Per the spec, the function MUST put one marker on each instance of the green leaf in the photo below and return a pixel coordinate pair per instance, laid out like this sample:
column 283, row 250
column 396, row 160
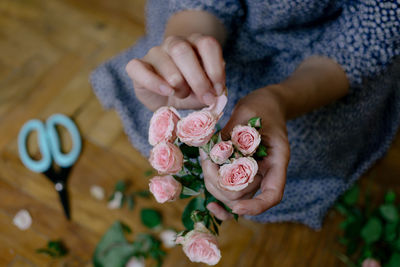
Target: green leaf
column 185, row 179
column 351, row 196
column 142, row 193
column 342, row 209
column 120, row 186
column 255, row 122
column 182, row 196
column 390, row 197
column 193, row 167
column 390, row 231
column 113, row 248
column 55, row 249
column 394, row 260
column 150, row 218
column 372, row 230
column 189, row 151
column 121, row 204
column 209, row 198
column 126, row 228
column 195, row 204
column 389, row 212
column 261, row 151
column 396, row 244
column 131, row 202
column 189, row 192
column 200, row 216
column 367, row 252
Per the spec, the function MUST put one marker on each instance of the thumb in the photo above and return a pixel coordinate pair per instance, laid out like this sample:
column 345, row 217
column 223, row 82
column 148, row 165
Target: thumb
column 238, row 117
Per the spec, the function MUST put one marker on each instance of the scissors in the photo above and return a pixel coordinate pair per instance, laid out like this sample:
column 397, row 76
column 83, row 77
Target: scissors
column 50, row 149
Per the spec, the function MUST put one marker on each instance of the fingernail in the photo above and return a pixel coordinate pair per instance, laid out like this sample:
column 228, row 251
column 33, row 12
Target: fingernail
column 219, row 88
column 209, row 98
column 165, row 90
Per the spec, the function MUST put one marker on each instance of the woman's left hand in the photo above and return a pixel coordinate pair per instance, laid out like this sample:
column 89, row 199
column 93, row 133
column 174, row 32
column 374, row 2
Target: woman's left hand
column 271, row 177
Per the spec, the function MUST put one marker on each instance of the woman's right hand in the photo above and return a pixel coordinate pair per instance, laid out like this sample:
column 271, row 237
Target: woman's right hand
column 187, row 73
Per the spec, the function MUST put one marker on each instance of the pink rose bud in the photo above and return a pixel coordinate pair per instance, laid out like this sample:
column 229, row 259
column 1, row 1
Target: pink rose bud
column 238, row 174
column 165, row 188
column 163, row 125
column 166, row 158
column 221, row 152
column 200, row 245
column 246, row 139
column 371, row 263
column 197, row 128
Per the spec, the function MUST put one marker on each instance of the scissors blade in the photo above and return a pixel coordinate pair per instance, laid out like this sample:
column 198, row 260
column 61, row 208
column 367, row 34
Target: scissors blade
column 63, row 194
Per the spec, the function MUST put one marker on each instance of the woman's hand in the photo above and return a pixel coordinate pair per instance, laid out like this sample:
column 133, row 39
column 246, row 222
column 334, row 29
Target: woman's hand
column 181, row 72
column 271, row 177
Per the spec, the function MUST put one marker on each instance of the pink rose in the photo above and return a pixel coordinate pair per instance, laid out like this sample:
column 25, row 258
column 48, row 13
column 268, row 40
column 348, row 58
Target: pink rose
column 246, row 139
column 197, row 128
column 166, row 158
column 371, row 263
column 221, row 152
column 165, row 188
column 163, row 125
column 238, row 174
column 200, row 245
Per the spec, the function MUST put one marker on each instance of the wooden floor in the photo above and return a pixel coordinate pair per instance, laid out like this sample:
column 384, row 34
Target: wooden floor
column 47, row 51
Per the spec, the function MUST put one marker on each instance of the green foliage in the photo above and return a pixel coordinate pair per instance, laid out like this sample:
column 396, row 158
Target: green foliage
column 394, row 260
column 255, row 122
column 196, row 203
column 54, row 248
column 389, row 212
column 150, row 218
column 261, row 151
column 390, row 197
column 114, row 250
column 372, row 230
column 189, row 151
column 120, row 186
column 127, row 195
column 351, row 196
column 369, row 231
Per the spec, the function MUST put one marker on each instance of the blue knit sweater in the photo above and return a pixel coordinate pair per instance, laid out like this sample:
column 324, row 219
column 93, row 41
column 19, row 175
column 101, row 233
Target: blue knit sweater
column 330, row 147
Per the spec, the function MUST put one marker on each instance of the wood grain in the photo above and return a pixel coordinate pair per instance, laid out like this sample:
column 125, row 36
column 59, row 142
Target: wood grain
column 47, row 51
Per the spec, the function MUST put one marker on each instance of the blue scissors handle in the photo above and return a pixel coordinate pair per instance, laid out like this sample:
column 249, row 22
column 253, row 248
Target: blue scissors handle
column 35, row 165
column 49, row 143
column 63, row 160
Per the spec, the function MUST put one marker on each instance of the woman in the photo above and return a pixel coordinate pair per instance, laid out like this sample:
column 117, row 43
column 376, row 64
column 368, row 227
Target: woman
column 320, row 74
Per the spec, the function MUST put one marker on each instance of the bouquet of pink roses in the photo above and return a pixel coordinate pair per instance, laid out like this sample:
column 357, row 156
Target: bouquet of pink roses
column 175, row 156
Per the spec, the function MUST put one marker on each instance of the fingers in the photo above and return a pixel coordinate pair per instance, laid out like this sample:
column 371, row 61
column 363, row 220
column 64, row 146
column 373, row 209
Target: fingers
column 219, row 211
column 273, row 183
column 186, row 59
column 180, row 67
column 240, row 116
column 166, row 68
column 143, row 74
column 229, row 198
column 210, row 53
